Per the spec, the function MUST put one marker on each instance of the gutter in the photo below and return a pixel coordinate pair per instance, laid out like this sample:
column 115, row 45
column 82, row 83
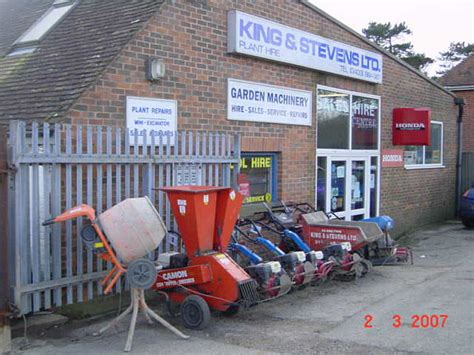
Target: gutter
column 459, row 102
column 373, row 45
column 459, row 87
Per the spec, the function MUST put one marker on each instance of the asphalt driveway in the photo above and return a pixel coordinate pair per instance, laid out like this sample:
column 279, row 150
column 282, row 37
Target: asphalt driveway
column 402, row 304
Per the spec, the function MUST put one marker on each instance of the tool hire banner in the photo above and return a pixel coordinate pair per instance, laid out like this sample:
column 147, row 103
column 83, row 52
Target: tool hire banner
column 258, row 37
column 256, row 179
column 411, row 126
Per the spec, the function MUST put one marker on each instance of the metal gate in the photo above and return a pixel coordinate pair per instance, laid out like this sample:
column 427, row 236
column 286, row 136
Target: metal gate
column 59, row 166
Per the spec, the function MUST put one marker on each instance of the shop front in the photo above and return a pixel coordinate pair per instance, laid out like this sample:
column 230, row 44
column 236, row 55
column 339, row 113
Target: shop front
column 311, row 100
column 348, row 141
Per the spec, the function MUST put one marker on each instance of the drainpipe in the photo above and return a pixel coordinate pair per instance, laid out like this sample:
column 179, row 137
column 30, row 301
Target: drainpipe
column 459, row 102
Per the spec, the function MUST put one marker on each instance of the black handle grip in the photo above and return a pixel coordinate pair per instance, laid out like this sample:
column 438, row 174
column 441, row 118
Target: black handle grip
column 48, row 222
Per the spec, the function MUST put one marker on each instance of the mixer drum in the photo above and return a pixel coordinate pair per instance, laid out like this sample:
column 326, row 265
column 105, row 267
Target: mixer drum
column 133, row 227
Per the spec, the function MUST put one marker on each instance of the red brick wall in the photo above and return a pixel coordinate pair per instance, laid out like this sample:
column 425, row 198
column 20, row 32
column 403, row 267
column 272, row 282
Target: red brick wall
column 191, row 38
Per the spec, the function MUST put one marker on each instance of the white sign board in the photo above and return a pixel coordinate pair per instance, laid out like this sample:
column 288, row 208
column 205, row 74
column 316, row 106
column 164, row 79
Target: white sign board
column 256, row 102
column 156, row 116
column 255, row 36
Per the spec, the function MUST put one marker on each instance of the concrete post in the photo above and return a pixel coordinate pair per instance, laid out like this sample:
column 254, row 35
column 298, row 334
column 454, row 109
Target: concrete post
column 5, row 339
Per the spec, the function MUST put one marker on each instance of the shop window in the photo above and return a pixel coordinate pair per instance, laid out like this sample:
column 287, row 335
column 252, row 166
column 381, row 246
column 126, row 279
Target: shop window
column 333, row 120
column 365, row 113
column 257, row 178
column 426, row 156
column 347, row 121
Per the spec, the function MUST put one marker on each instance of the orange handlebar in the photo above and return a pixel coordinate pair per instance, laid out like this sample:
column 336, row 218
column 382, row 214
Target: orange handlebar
column 78, row 211
column 87, row 211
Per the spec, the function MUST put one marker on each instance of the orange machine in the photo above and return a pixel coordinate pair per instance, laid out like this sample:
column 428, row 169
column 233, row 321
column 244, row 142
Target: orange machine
column 107, row 253
column 205, row 276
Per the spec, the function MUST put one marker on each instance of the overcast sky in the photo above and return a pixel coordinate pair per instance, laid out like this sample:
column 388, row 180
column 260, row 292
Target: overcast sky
column 434, row 23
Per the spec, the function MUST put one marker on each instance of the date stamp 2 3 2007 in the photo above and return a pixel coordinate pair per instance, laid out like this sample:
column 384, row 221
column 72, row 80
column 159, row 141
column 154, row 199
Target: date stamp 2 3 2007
column 423, row 321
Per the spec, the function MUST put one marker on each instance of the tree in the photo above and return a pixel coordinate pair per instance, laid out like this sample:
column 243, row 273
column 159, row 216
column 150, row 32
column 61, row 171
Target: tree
column 456, row 52
column 418, row 61
column 390, row 37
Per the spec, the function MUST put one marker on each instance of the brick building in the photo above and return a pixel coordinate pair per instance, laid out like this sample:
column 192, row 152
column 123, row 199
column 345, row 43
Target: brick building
column 460, row 80
column 311, row 98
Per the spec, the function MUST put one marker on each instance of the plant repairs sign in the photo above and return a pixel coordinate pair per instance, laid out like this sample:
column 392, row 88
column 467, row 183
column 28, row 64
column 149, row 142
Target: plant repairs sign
column 256, row 102
column 157, row 117
column 258, row 37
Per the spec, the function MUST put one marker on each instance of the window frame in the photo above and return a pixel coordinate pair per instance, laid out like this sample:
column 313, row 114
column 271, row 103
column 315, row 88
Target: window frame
column 273, row 171
column 353, row 153
column 329, row 151
column 425, row 165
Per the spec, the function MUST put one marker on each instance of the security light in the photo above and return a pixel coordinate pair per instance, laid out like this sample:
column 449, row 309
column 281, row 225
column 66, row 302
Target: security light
column 155, row 69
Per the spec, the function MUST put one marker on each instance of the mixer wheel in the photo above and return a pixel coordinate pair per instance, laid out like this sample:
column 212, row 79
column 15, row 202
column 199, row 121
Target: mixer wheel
column 195, row 312
column 141, row 273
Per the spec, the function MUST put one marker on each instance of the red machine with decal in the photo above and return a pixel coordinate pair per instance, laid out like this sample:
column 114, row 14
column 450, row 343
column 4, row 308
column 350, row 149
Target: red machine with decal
column 205, row 276
column 319, row 231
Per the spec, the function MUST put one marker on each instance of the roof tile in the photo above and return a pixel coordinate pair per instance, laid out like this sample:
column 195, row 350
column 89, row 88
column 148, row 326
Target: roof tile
column 462, row 74
column 69, row 59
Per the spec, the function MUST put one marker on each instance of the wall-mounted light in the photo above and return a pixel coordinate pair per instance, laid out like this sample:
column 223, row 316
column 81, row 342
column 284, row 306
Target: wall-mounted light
column 155, row 69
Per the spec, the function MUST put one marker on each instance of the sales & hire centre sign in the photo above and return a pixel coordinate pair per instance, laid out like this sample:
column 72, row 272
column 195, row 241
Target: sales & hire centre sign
column 258, row 37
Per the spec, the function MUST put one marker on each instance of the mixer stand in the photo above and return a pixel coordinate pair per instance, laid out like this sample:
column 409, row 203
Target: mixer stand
column 138, row 303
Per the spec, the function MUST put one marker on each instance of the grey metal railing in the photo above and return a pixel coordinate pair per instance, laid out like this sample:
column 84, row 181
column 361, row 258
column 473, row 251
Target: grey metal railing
column 59, row 166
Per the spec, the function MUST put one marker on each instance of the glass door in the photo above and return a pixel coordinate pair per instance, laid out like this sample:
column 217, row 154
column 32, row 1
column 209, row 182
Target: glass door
column 348, row 186
column 359, row 190
column 338, row 187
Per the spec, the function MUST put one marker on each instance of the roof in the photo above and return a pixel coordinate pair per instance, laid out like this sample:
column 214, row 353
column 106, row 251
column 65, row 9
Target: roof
column 16, row 17
column 45, row 83
column 461, row 75
column 375, row 46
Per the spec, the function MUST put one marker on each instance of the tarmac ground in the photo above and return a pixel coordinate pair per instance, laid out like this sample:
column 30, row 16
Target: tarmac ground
column 328, row 319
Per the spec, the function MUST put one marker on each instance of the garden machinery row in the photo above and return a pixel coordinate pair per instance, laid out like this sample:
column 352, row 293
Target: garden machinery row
column 219, row 268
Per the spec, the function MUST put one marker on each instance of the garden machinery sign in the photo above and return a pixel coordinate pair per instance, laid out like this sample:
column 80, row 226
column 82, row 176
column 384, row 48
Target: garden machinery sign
column 258, row 37
column 257, row 102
